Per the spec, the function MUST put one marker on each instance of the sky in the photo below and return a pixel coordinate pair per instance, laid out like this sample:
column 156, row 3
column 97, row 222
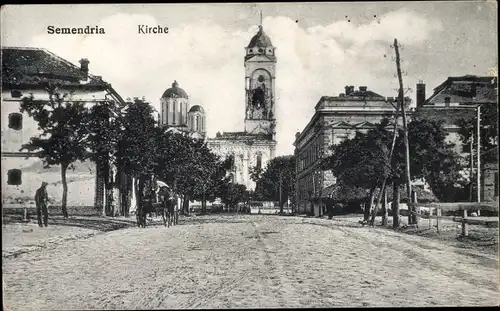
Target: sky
column 320, row 48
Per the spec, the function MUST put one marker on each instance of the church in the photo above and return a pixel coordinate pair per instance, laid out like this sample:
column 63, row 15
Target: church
column 255, row 145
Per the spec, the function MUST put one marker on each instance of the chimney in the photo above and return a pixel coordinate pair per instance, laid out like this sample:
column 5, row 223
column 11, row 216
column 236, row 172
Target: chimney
column 84, row 69
column 420, row 93
column 362, row 88
column 349, row 90
column 297, row 135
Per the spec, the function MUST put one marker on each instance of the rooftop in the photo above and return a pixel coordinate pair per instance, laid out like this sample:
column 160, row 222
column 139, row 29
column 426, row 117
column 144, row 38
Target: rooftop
column 27, row 66
column 465, row 90
column 260, row 39
column 175, row 92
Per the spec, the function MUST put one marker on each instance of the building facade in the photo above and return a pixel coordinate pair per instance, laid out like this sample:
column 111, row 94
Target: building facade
column 256, row 145
column 25, row 72
column 335, row 119
column 460, row 98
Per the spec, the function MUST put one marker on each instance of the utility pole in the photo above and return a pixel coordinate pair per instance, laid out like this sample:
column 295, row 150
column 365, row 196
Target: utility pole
column 471, row 166
column 478, row 156
column 411, row 209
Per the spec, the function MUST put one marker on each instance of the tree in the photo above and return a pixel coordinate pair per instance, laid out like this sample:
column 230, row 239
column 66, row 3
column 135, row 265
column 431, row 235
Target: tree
column 232, row 194
column 190, row 167
column 63, row 132
column 362, row 162
column 277, row 181
column 137, row 145
column 105, row 125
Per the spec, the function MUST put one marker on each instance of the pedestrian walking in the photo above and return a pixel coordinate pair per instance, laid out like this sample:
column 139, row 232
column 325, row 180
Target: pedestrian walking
column 41, row 200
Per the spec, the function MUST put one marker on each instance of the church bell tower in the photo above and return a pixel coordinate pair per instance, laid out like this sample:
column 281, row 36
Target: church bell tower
column 260, row 76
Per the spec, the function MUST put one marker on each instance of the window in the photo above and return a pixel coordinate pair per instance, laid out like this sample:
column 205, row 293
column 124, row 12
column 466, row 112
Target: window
column 14, row 177
column 261, row 50
column 259, row 161
column 16, row 94
column 16, row 121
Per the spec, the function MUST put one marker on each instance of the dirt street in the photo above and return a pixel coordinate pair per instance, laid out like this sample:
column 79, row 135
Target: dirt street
column 249, row 261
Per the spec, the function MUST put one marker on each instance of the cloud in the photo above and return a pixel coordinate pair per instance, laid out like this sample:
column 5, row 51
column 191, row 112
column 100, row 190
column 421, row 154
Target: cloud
column 207, row 61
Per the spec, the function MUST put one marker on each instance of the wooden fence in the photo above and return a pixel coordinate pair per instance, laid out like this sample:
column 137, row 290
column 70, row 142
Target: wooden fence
column 462, row 206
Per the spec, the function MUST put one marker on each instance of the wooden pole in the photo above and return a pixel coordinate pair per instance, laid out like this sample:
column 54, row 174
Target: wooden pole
column 478, row 156
column 471, row 167
column 405, row 138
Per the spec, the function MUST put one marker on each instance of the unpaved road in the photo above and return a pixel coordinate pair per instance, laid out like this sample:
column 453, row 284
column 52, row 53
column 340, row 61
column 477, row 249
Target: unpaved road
column 249, row 262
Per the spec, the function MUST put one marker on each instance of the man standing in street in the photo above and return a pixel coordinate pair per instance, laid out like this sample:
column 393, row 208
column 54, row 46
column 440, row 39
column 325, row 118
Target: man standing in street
column 41, row 200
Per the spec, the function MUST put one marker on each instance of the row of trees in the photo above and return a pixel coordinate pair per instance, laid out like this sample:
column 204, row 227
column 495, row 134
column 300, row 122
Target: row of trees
column 276, row 182
column 125, row 136
column 366, row 161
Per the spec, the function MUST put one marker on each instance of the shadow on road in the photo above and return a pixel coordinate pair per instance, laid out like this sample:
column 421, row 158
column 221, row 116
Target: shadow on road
column 103, row 224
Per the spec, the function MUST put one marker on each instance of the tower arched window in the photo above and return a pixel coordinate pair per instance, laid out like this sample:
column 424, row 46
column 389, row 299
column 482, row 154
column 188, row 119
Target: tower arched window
column 259, row 161
column 196, row 123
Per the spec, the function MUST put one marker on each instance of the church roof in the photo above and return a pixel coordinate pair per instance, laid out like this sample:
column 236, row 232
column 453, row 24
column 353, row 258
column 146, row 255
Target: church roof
column 175, row 92
column 241, row 136
column 196, row 108
column 260, row 39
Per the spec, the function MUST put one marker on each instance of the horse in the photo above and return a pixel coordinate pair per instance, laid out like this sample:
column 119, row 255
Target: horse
column 145, row 206
column 143, row 209
column 168, row 207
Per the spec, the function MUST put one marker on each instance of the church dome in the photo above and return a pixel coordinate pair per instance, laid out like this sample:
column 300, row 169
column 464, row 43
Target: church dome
column 196, row 108
column 175, row 92
column 260, row 39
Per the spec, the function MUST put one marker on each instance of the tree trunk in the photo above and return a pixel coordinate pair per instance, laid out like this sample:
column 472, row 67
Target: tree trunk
column 128, row 195
column 186, row 204
column 395, row 205
column 99, row 189
column 384, row 208
column 369, row 204
column 64, row 168
column 109, row 194
column 138, row 193
column 375, row 209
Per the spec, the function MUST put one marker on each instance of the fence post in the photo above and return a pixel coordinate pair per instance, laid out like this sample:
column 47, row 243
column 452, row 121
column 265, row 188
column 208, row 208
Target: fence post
column 465, row 228
column 430, row 217
column 438, row 213
column 25, row 214
column 416, row 208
